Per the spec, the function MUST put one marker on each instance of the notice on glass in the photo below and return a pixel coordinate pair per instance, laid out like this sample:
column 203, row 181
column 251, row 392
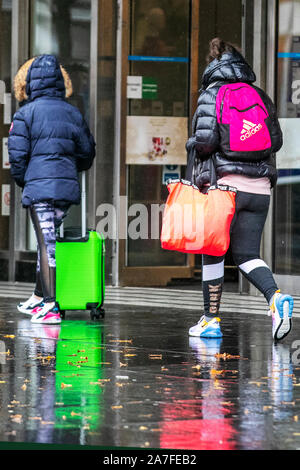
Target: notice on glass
column 289, row 154
column 134, row 87
column 5, row 156
column 156, row 140
column 5, row 202
column 7, row 108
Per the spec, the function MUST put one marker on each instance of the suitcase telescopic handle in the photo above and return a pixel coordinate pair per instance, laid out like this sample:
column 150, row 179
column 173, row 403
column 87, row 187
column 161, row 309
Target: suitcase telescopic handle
column 83, row 208
column 83, row 204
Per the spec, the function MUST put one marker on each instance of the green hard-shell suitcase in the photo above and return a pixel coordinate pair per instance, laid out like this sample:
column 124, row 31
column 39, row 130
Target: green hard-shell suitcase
column 80, row 268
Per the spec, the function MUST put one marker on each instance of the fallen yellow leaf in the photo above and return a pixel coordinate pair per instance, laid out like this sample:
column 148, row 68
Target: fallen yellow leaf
column 7, row 352
column 65, row 385
column 215, row 372
column 16, row 418
column 120, row 340
column 226, row 356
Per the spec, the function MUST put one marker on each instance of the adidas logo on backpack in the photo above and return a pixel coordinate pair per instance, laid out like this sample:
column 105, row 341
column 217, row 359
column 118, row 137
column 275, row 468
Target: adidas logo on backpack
column 249, row 129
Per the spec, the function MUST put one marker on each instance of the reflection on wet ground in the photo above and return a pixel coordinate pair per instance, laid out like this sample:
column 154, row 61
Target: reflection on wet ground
column 136, row 379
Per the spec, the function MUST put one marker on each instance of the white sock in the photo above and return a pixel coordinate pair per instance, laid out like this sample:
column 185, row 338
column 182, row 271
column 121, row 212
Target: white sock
column 50, row 305
column 37, row 298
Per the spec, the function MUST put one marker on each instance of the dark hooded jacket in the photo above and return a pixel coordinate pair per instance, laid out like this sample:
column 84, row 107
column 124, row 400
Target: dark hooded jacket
column 49, row 141
column 204, row 142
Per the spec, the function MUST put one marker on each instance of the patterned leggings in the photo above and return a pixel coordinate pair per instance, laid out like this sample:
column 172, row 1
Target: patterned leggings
column 46, row 219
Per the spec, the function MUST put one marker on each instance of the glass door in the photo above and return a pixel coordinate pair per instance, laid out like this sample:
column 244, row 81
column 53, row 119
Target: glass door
column 225, row 20
column 157, row 122
column 287, row 200
column 63, row 28
column 5, row 121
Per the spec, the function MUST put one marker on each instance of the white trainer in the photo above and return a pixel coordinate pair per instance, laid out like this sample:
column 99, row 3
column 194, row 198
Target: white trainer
column 46, row 315
column 29, row 305
column 204, row 329
column 281, row 310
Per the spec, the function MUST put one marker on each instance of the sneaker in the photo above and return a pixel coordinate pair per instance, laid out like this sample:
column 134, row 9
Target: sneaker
column 281, row 310
column 46, row 315
column 29, row 305
column 205, row 329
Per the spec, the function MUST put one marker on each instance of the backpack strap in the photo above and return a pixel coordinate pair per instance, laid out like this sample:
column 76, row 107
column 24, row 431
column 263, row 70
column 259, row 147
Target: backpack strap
column 214, row 84
column 212, row 170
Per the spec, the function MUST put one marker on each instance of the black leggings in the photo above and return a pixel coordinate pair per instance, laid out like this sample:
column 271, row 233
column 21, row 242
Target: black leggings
column 245, row 238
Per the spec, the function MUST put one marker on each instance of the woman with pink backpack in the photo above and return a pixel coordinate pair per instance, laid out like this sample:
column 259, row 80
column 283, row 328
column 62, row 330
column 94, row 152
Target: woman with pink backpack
column 236, row 125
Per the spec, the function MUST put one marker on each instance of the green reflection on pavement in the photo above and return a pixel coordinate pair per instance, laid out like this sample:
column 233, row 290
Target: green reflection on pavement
column 79, row 375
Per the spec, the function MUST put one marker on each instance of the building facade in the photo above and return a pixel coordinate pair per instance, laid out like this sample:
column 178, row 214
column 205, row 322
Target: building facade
column 136, row 69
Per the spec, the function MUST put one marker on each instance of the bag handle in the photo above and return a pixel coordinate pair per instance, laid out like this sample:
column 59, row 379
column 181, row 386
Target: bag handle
column 193, row 159
column 212, row 169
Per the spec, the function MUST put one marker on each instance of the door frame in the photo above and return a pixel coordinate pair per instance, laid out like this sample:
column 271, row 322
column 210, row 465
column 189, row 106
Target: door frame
column 20, row 50
column 17, row 219
column 287, row 282
column 145, row 275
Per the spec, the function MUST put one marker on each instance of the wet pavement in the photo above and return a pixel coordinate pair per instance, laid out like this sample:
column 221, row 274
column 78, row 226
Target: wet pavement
column 135, row 379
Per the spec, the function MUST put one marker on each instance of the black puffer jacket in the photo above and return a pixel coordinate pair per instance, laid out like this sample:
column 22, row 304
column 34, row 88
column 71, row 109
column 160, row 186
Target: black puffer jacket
column 231, row 68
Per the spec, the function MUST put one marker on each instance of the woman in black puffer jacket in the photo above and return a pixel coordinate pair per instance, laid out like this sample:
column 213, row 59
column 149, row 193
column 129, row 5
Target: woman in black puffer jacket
column 253, row 179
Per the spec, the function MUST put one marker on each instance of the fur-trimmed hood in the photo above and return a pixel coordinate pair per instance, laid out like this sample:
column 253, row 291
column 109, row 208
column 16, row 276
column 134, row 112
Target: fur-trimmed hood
column 42, row 76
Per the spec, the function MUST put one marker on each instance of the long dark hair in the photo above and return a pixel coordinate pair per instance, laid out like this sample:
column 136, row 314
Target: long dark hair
column 217, row 47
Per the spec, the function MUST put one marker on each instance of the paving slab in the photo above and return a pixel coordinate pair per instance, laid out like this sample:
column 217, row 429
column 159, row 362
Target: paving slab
column 135, row 379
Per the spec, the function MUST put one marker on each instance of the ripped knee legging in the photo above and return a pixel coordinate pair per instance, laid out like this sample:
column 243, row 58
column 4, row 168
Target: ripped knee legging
column 245, row 237
column 46, row 218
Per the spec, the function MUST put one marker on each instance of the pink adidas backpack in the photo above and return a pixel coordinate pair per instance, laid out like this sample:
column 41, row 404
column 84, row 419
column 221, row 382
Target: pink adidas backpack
column 243, row 121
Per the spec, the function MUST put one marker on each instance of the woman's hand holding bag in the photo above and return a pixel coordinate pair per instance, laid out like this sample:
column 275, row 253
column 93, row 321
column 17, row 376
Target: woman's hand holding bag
column 194, row 222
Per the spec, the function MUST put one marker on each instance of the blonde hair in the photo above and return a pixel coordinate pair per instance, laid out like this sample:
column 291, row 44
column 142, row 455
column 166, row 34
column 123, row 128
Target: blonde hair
column 20, row 81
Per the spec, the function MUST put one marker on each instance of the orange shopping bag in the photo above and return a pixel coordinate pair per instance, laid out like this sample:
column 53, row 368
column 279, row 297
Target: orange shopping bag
column 194, row 222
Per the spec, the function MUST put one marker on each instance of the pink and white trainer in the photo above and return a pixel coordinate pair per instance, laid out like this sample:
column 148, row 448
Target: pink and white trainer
column 46, row 315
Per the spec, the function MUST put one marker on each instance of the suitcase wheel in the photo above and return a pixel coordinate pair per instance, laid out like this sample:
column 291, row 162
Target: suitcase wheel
column 97, row 313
